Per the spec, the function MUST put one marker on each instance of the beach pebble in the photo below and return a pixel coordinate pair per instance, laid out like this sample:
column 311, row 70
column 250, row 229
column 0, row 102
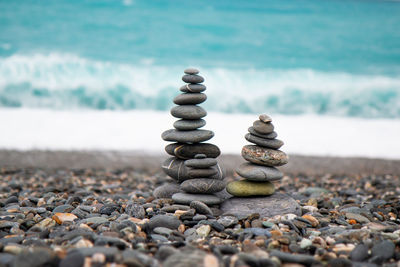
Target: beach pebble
column 265, row 118
column 200, row 207
column 194, row 136
column 276, row 204
column 202, row 186
column 202, row 173
column 384, row 249
column 265, row 136
column 191, row 71
column 203, row 230
column 191, row 258
column 262, row 127
column 135, row 210
column 192, row 78
column 63, row 208
column 190, row 98
column 258, row 173
column 359, row 253
column 269, row 143
column 228, row 221
column 167, row 221
column 245, row 188
column 166, row 190
column 187, row 125
column 184, row 198
column 201, row 163
column 193, row 88
column 188, row 112
column 264, row 156
column 188, row 151
column 64, row 217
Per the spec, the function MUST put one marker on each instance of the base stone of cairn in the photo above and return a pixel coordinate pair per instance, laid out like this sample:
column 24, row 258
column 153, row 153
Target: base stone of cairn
column 193, row 166
column 255, row 193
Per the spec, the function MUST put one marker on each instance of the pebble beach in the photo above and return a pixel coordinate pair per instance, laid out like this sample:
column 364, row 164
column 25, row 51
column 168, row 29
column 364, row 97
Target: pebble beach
column 107, row 216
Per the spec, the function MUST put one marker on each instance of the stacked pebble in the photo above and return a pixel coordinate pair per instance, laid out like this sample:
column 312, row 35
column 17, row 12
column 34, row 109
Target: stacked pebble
column 193, row 163
column 259, row 172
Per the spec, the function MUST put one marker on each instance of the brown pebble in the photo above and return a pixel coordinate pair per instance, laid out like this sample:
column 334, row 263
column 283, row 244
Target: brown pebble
column 265, row 118
column 314, row 222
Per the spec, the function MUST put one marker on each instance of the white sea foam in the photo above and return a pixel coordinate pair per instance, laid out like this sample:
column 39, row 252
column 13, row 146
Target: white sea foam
column 140, row 130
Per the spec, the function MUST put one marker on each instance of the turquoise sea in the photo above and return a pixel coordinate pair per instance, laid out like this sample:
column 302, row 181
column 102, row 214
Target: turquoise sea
column 339, row 58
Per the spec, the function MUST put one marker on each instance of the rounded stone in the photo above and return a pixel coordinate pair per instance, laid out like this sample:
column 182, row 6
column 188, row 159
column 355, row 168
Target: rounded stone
column 188, row 112
column 192, row 78
column 166, row 190
column 202, row 173
column 166, row 221
column 258, row 173
column 262, row 127
column 194, row 136
column 264, row 156
column 176, row 169
column 266, row 136
column 193, row 88
column 276, row 204
column 188, row 125
column 270, row 143
column 201, row 163
column 202, row 186
column 189, row 151
column 190, row 99
column 265, row 118
column 200, row 207
column 185, row 198
column 246, row 188
column 191, row 71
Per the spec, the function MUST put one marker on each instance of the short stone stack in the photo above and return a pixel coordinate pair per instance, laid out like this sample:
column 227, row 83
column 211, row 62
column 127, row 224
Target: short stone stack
column 194, row 163
column 259, row 173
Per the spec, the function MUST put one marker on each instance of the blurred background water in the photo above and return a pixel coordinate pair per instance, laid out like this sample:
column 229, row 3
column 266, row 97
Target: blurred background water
column 338, row 58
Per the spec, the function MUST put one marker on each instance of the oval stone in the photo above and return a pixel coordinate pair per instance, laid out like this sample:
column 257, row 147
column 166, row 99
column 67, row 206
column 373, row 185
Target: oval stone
column 267, row 136
column 185, row 198
column 192, row 78
column 166, row 190
column 258, row 173
column 189, row 151
column 265, row 118
column 191, row 71
column 264, row 156
column 190, row 98
column 270, row 143
column 202, row 186
column 187, row 125
column 262, row 127
column 189, row 112
column 195, row 136
column 193, row 88
column 201, row 163
column 248, row 188
column 202, row 173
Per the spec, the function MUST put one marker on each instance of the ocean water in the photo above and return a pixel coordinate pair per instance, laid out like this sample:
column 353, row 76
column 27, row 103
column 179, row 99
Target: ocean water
column 329, row 70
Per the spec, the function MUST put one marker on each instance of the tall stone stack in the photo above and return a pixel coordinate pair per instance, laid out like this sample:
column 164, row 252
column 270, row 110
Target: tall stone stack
column 193, row 163
column 262, row 159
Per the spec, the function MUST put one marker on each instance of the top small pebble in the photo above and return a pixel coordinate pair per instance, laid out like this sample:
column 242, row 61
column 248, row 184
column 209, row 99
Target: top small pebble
column 191, row 71
column 265, row 118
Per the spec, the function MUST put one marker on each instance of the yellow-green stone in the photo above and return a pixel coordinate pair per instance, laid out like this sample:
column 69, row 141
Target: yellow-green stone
column 246, row 188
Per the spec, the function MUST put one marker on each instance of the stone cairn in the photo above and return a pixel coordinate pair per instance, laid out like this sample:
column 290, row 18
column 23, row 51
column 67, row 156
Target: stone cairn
column 193, row 165
column 259, row 172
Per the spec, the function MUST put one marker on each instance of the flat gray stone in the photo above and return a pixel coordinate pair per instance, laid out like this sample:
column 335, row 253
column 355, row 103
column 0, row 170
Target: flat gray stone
column 194, row 136
column 276, row 204
column 191, row 71
column 193, row 88
column 190, row 99
column 258, row 173
column 192, row 78
column 270, row 143
column 168, row 221
column 188, row 125
column 262, row 127
column 200, row 207
column 264, row 156
column 267, row 136
column 201, row 163
column 202, row 186
column 189, row 151
column 188, row 112
column 166, row 190
column 202, row 173
column 185, row 198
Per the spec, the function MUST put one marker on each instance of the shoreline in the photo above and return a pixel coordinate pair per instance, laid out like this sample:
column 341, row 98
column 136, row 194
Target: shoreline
column 151, row 162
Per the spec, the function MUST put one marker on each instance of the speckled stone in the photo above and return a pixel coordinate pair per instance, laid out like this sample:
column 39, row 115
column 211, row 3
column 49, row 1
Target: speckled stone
column 188, row 112
column 269, row 143
column 190, row 99
column 276, row 204
column 194, row 136
column 193, row 88
column 189, row 151
column 258, row 173
column 192, row 78
column 188, row 125
column 202, row 186
column 185, row 198
column 246, row 188
column 264, row 156
column 266, row 136
column 262, row 127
